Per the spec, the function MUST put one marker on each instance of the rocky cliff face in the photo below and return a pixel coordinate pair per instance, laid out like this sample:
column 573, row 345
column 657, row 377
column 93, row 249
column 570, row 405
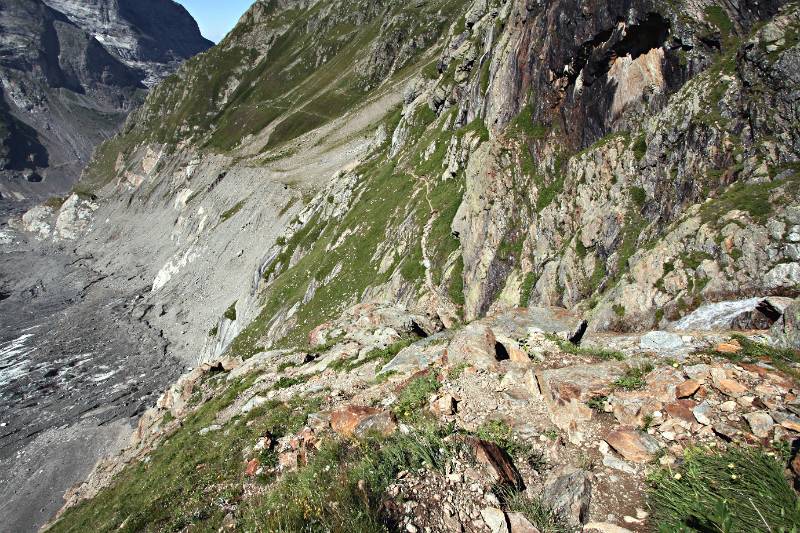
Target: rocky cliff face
column 630, row 163
column 71, row 72
column 154, row 36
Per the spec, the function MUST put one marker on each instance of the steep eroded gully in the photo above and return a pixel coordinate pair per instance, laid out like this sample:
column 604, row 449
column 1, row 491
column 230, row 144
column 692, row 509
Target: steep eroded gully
column 77, row 367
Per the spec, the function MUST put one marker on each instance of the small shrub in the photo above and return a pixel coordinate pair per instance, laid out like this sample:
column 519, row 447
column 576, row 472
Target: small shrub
column 597, row 403
column 415, row 396
column 286, row 364
column 619, row 310
column 640, row 147
column 500, row 433
column 536, row 512
column 230, row 312
column 551, row 434
column 455, row 372
column 634, row 378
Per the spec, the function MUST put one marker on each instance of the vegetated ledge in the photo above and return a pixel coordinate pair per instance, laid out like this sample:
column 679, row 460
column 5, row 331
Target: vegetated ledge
column 294, row 439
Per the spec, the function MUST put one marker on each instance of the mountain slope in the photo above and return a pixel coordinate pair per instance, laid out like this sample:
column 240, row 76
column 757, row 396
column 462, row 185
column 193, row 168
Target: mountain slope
column 565, row 176
column 336, row 180
column 64, row 91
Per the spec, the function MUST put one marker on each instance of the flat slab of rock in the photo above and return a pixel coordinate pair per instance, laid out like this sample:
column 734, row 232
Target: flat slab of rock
column 633, row 445
column 760, row 423
column 417, row 357
column 566, row 391
column 556, row 321
column 357, row 420
column 687, row 388
column 496, row 462
column 661, row 342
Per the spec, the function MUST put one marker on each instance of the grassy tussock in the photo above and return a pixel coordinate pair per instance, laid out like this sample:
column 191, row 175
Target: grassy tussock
column 738, row 490
column 341, row 489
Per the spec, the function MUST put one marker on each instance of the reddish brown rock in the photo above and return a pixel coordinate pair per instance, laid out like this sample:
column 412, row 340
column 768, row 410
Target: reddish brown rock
column 252, row 467
column 687, row 388
column 681, row 409
column 633, row 445
column 566, row 391
column 289, row 460
column 730, row 387
column 496, row 462
column 356, row 420
column 728, row 347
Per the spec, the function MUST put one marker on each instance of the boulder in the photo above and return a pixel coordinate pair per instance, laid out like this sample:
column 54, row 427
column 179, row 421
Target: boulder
column 786, row 330
column 357, row 421
column 568, row 492
column 495, row 520
column 566, row 391
column 519, row 524
column 633, row 445
column 474, row 345
column 417, row 357
column 556, row 321
column 496, row 462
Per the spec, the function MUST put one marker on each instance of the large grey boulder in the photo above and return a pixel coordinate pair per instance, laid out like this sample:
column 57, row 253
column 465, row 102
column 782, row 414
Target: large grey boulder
column 787, row 328
column 568, row 492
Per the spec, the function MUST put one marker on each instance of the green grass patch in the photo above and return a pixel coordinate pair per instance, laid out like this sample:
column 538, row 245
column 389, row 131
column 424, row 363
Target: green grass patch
column 342, row 488
column 189, row 479
column 230, row 213
column 736, row 490
column 230, row 312
column 633, row 379
column 414, row 397
column 640, row 147
column 587, row 351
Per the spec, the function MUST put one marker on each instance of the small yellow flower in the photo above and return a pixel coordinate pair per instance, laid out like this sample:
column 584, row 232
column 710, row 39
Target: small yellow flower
column 675, row 365
column 731, row 465
column 734, row 476
column 677, row 476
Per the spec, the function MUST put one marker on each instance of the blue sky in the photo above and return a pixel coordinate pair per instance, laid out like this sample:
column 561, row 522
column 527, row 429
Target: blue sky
column 216, row 17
